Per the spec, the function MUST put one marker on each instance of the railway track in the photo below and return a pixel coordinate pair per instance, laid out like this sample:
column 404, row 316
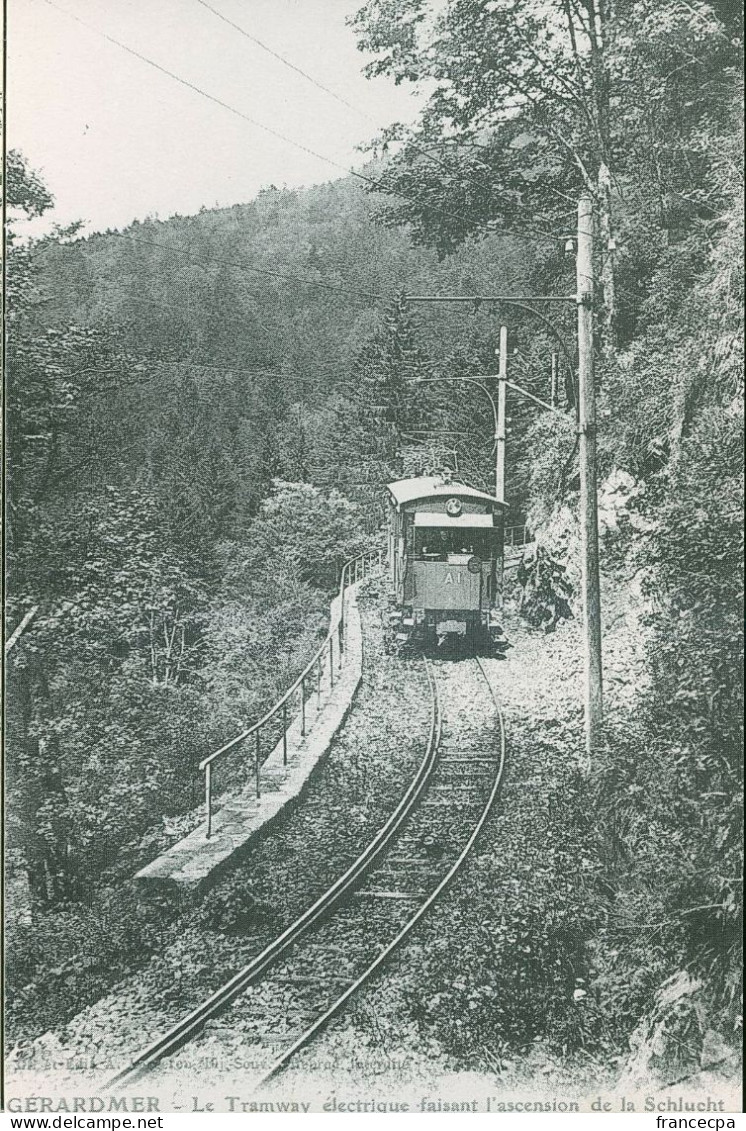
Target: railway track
column 310, row 972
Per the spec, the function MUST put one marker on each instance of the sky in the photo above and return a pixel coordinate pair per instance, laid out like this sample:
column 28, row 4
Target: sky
column 113, row 139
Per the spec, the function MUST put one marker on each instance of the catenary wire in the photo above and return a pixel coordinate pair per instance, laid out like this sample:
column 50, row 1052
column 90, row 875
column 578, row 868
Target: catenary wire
column 284, row 60
column 246, row 117
column 448, row 168
column 354, row 292
column 333, row 94
column 258, row 270
column 283, row 137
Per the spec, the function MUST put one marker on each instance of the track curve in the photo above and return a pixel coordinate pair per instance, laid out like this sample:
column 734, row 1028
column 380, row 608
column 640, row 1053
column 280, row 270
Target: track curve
column 282, row 1061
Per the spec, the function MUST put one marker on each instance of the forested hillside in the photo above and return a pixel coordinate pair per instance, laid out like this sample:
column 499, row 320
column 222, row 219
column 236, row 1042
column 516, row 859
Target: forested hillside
column 202, row 410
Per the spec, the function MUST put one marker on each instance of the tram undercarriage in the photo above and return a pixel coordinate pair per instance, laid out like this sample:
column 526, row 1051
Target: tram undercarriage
column 469, row 630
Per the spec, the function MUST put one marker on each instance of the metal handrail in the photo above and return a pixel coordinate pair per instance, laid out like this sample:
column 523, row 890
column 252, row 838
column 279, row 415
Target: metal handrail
column 513, row 533
column 315, row 666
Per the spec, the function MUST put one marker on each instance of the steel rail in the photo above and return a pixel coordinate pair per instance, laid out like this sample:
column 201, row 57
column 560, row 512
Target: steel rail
column 181, row 1033
column 281, row 1062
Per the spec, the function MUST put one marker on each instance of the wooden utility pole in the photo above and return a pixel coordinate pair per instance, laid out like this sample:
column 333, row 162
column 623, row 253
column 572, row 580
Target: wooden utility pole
column 591, row 594
column 502, row 390
column 553, row 386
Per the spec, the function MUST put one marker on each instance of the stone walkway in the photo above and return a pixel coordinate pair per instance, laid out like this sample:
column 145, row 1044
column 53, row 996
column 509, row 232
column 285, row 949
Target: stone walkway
column 241, row 816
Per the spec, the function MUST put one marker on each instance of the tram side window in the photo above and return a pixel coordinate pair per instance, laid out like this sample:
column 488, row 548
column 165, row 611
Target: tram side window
column 434, row 545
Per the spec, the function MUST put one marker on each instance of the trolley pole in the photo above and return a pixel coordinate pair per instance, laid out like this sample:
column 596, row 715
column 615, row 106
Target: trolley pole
column 502, row 389
column 590, row 584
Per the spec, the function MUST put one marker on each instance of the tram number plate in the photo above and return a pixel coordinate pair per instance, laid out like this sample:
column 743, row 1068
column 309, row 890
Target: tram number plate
column 458, row 626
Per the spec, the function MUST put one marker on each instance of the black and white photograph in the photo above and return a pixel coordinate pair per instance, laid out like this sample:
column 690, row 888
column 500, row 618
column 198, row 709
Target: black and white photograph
column 373, row 560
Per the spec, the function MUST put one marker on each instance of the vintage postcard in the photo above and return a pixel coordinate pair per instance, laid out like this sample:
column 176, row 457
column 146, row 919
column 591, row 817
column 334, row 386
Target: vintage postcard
column 373, row 559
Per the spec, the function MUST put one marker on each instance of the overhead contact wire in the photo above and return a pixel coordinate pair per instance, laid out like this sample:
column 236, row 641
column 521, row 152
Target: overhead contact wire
column 261, row 125
column 483, row 186
column 284, row 60
column 243, row 266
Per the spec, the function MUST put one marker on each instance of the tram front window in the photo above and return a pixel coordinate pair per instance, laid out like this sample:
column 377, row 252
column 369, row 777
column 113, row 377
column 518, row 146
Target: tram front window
column 434, row 545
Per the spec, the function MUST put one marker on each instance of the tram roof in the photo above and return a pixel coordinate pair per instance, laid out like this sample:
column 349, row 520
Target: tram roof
column 426, row 486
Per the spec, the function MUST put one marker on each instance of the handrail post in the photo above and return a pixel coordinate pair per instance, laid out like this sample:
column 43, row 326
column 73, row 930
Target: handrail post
column 310, row 681
column 208, row 798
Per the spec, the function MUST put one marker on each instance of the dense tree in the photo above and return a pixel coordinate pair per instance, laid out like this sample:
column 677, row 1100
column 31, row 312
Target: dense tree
column 302, row 532
column 529, row 104
column 24, row 189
